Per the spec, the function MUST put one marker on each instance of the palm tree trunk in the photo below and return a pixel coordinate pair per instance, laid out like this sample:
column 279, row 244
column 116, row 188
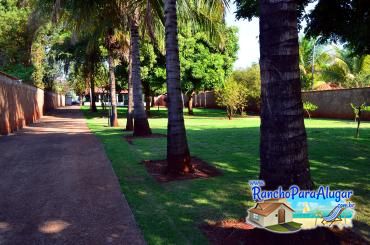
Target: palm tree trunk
column 130, row 109
column 178, row 155
column 141, row 124
column 112, row 78
column 283, row 147
column 92, row 93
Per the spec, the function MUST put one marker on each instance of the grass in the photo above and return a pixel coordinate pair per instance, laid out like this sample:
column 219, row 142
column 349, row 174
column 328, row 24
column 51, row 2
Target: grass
column 287, row 227
column 170, row 213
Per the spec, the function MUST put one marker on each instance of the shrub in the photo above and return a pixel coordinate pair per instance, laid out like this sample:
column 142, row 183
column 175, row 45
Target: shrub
column 309, row 107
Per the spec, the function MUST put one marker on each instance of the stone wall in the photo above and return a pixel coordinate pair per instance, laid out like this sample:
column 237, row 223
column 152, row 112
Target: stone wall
column 22, row 104
column 337, row 103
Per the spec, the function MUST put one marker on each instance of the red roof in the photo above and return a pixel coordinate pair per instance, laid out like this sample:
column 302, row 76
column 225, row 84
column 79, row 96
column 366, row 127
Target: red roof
column 265, row 209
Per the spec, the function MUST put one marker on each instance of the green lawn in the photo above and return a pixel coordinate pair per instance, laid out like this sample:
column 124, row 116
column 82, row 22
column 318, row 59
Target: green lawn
column 170, row 213
column 287, row 227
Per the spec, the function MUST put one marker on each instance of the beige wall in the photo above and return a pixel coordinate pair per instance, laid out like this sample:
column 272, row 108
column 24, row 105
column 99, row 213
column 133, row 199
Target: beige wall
column 331, row 103
column 22, row 104
column 337, row 103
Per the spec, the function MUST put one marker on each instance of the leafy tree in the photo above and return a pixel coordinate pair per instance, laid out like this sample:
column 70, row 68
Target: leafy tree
column 250, row 80
column 22, row 43
column 232, row 95
column 342, row 20
column 152, row 72
column 204, row 65
column 77, row 83
column 247, row 9
column 15, row 43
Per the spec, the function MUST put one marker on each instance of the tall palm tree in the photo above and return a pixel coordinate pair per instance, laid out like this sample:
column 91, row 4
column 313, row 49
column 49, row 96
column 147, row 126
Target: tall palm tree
column 141, row 124
column 111, row 45
column 203, row 16
column 130, row 109
column 178, row 154
column 283, row 147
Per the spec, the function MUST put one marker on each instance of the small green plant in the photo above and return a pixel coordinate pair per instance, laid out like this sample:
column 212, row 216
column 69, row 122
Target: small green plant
column 309, row 107
column 357, row 110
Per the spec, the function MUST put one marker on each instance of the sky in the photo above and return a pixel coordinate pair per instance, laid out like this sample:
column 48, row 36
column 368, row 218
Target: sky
column 248, row 37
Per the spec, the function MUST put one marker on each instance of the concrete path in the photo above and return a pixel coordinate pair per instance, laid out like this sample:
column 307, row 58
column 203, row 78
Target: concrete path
column 57, row 186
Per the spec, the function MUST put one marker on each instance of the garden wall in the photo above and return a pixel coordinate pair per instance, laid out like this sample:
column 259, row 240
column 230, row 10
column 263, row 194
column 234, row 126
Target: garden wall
column 331, row 103
column 22, row 104
column 337, row 103
column 205, row 99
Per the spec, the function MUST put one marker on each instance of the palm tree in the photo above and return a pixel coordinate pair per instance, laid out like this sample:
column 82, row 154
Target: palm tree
column 346, row 69
column 111, row 45
column 130, row 109
column 283, row 147
column 141, row 124
column 178, row 155
column 203, row 16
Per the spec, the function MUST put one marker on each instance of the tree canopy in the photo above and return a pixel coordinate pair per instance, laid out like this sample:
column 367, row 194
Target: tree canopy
column 344, row 21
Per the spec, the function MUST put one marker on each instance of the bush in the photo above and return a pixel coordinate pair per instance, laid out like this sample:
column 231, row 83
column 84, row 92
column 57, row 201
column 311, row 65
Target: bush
column 309, row 107
column 250, row 80
column 233, row 96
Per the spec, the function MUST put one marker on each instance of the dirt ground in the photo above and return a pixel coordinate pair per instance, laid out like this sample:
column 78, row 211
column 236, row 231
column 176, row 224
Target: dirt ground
column 201, row 170
column 58, row 187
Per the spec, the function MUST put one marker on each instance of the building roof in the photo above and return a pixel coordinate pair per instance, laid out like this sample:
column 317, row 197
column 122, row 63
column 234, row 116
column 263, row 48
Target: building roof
column 328, row 86
column 266, row 208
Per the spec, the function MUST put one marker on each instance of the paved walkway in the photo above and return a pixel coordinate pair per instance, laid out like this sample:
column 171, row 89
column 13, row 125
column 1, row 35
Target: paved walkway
column 58, row 187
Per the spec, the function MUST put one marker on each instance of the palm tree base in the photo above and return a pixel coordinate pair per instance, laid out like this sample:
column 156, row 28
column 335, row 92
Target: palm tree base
column 130, row 124
column 141, row 127
column 179, row 164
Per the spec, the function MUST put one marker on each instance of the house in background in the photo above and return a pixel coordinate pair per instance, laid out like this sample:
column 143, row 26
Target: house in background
column 102, row 95
column 271, row 212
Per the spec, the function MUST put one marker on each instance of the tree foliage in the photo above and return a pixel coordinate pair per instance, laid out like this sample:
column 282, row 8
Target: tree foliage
column 240, row 90
column 205, row 66
column 309, row 107
column 247, row 9
column 344, row 21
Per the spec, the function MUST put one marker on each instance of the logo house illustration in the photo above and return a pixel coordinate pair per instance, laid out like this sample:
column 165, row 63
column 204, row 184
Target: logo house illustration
column 270, row 212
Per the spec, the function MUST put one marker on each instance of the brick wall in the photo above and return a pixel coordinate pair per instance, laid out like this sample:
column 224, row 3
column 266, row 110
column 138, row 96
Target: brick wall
column 22, row 104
